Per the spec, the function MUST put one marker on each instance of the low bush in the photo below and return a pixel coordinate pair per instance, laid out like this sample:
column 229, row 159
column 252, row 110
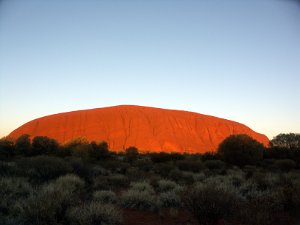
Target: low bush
column 8, row 169
column 141, row 200
column 217, row 165
column 118, row 181
column 94, row 213
column 261, row 207
column 166, row 185
column 170, row 199
column 105, row 197
column 43, row 168
column 12, row 189
column 142, row 187
column 285, row 164
column 209, row 203
column 181, row 177
column 190, row 165
column 141, row 196
column 49, row 204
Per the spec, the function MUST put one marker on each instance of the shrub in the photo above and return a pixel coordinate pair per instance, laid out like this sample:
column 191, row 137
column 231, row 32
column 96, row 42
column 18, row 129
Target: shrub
column 105, row 197
column 164, row 169
column 99, row 150
column 48, row 205
column 190, row 165
column 101, row 183
column 142, row 187
column 142, row 200
column 118, row 181
column 209, row 203
column 12, row 189
column 80, row 168
column 43, row 168
column 131, row 154
column 7, row 148
column 215, row 164
column 141, row 196
column 181, row 177
column 260, row 208
column 94, row 213
column 23, row 145
column 241, row 150
column 166, row 185
column 285, row 164
column 170, row 199
column 8, row 168
column 43, row 145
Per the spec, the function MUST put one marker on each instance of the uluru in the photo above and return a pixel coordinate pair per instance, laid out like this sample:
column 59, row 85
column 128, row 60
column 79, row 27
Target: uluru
column 147, row 128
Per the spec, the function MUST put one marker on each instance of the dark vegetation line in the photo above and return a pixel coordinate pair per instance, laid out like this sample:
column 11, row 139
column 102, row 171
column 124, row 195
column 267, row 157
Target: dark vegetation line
column 84, row 183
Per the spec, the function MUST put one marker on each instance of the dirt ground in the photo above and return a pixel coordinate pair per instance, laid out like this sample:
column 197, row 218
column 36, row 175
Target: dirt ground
column 135, row 217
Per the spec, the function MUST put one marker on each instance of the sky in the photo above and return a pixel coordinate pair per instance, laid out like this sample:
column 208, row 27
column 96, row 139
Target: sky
column 233, row 59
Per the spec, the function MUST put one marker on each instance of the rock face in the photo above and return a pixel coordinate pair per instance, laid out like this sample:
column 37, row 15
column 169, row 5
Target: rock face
column 147, row 128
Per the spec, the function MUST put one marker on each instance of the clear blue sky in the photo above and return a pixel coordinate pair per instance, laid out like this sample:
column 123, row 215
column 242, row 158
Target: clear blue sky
column 234, row 59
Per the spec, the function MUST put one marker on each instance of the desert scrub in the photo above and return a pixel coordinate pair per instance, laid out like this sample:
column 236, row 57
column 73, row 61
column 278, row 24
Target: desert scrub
column 261, row 207
column 209, row 203
column 49, row 204
column 170, row 199
column 43, row 168
column 118, row 181
column 142, row 186
column 7, row 169
column 94, row 213
column 12, row 189
column 105, row 197
column 166, row 185
column 140, row 196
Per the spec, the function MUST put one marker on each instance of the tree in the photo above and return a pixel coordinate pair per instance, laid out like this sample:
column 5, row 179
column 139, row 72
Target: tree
column 42, row 145
column 6, row 147
column 241, row 150
column 23, row 145
column 131, row 154
column 288, row 141
column 99, row 151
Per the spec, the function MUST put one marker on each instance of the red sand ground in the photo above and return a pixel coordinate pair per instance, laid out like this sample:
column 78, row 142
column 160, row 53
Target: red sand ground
column 147, row 128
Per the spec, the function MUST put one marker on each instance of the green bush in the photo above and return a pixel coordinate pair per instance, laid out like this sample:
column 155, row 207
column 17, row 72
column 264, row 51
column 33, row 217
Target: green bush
column 142, row 200
column 23, row 145
column 118, row 181
column 94, row 213
column 49, row 204
column 8, row 169
column 241, row 150
column 105, row 197
column 190, row 165
column 12, row 189
column 43, row 168
column 142, row 187
column 141, row 196
column 285, row 164
column 170, row 199
column 215, row 165
column 166, row 185
column 42, row 145
column 7, row 148
column 210, row 203
column 260, row 208
column 181, row 177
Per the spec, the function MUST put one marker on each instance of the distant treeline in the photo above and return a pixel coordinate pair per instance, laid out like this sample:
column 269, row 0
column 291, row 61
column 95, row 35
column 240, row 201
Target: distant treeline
column 238, row 150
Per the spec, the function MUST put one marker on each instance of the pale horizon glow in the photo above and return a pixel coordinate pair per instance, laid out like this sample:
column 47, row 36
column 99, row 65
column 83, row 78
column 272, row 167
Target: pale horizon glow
column 237, row 60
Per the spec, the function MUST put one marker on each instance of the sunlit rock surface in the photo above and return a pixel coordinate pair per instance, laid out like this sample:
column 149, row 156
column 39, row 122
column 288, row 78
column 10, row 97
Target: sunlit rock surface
column 147, row 128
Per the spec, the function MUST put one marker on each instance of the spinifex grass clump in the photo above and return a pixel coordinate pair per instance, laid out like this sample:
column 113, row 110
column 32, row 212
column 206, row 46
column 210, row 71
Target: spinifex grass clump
column 141, row 196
